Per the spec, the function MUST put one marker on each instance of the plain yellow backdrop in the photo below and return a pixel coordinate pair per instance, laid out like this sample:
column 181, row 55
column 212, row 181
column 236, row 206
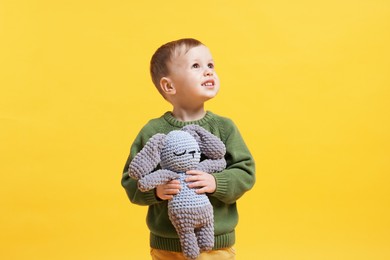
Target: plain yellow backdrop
column 307, row 83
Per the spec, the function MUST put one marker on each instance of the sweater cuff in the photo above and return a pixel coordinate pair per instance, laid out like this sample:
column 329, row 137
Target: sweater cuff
column 222, row 185
column 150, row 197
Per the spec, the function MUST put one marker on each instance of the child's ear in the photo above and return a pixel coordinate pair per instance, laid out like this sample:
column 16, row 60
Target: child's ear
column 167, row 86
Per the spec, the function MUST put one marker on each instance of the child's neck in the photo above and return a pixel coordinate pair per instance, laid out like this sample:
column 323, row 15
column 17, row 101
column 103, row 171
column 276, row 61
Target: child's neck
column 187, row 115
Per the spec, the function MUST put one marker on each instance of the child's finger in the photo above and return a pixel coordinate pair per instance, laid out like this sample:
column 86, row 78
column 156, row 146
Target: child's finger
column 201, row 190
column 171, row 191
column 195, row 172
column 172, row 187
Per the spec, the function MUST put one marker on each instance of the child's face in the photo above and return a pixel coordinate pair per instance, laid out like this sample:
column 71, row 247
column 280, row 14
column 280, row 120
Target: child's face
column 193, row 76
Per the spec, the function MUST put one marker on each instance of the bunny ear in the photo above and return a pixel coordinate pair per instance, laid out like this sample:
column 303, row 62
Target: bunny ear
column 210, row 145
column 148, row 158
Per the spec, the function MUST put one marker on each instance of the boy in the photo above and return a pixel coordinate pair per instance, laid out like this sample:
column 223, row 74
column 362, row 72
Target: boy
column 183, row 72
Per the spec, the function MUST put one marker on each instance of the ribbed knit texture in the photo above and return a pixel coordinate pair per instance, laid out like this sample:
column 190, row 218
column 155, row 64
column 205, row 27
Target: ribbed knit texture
column 232, row 183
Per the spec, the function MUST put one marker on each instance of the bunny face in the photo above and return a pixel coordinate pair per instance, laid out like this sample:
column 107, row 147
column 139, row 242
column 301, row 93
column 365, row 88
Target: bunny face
column 180, row 153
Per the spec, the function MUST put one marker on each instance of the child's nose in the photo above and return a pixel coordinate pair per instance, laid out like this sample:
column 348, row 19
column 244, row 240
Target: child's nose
column 208, row 72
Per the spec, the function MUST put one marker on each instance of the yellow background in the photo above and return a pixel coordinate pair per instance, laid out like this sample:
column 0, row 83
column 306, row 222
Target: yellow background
column 307, row 82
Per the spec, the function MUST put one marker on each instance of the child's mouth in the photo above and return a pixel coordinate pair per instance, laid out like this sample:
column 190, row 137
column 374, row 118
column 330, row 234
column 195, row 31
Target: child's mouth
column 208, row 84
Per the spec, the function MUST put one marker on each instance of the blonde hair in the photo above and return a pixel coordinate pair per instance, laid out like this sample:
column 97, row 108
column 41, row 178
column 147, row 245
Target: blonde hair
column 159, row 61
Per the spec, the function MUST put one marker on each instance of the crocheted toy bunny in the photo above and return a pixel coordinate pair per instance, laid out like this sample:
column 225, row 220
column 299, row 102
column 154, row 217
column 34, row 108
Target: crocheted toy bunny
column 177, row 152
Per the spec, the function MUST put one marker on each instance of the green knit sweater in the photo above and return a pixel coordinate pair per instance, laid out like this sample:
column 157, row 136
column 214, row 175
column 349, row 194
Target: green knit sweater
column 232, row 183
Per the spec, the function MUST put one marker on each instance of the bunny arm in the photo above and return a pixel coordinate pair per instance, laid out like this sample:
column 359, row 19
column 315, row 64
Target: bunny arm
column 155, row 178
column 211, row 166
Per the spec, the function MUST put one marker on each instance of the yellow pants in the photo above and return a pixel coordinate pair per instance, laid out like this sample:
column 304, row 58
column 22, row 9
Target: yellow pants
column 221, row 254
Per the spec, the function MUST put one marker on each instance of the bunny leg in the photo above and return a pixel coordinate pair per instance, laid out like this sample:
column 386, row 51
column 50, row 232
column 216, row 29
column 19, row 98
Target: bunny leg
column 189, row 243
column 205, row 236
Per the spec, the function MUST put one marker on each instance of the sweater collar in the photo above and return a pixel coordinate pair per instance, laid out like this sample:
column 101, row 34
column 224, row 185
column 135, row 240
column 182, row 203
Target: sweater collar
column 174, row 122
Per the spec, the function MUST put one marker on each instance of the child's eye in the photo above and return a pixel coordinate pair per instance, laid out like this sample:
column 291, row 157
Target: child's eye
column 210, row 65
column 195, row 66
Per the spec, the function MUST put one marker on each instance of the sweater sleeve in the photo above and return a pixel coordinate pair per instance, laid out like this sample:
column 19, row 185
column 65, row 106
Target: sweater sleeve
column 131, row 185
column 239, row 175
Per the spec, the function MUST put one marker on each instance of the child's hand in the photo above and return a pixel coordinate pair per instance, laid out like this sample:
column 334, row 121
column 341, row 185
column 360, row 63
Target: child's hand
column 202, row 181
column 168, row 190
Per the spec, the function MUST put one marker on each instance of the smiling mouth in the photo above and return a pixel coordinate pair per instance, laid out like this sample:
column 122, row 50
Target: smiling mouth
column 208, row 84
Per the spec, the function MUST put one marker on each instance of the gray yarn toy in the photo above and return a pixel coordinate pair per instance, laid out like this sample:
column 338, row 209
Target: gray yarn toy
column 177, row 152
